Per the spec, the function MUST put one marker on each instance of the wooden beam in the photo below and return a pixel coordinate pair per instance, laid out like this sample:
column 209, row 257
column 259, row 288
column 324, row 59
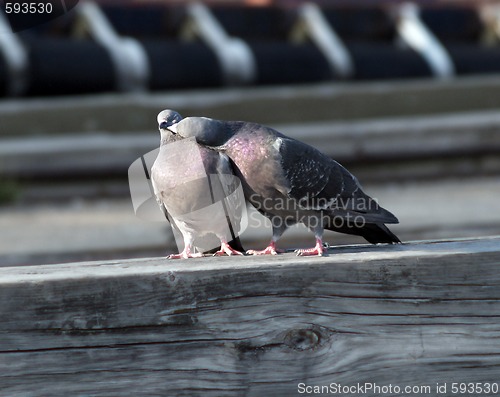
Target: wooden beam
column 418, row 314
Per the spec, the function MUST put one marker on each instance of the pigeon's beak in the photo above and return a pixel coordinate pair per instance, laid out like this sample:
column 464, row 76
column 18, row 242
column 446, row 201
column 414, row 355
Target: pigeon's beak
column 173, row 128
column 163, row 125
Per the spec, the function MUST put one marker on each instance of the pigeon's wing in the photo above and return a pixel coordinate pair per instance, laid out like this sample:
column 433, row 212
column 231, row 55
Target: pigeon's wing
column 314, row 180
column 235, row 199
column 226, row 190
column 163, row 209
column 154, row 182
column 158, row 199
column 318, row 182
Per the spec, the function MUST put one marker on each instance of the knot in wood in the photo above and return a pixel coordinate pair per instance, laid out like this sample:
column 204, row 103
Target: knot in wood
column 302, row 339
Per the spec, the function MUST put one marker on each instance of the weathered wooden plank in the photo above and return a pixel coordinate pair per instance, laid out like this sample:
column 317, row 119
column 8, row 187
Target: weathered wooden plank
column 411, row 315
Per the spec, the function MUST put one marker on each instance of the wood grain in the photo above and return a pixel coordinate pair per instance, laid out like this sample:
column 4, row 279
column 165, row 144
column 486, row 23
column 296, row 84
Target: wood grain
column 415, row 314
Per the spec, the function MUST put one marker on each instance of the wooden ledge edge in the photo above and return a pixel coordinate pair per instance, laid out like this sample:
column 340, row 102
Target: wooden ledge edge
column 341, row 255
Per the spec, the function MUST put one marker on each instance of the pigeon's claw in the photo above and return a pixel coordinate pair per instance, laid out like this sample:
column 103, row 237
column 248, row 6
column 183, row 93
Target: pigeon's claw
column 186, row 254
column 318, row 249
column 225, row 249
column 269, row 250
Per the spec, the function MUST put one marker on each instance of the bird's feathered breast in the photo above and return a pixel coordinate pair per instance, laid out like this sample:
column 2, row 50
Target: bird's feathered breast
column 179, row 173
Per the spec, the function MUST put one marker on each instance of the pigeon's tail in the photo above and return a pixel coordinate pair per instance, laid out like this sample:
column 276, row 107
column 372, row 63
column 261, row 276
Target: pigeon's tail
column 236, row 245
column 376, row 233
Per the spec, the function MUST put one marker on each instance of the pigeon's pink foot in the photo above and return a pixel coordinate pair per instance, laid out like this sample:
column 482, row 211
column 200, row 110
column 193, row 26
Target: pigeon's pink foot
column 270, row 250
column 317, row 250
column 186, row 254
column 226, row 249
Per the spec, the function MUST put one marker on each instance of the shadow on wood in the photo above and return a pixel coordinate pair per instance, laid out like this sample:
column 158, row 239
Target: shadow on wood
column 410, row 315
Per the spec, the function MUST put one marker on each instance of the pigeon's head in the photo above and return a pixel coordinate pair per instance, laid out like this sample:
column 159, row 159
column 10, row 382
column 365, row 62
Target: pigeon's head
column 207, row 131
column 167, row 118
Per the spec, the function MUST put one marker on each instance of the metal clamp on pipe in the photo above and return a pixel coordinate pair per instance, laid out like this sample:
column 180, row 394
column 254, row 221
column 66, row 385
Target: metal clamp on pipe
column 413, row 32
column 16, row 59
column 128, row 55
column 236, row 58
column 313, row 25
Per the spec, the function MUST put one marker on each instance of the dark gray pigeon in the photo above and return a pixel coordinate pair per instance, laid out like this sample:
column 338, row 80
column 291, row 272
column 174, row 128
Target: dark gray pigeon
column 192, row 185
column 289, row 182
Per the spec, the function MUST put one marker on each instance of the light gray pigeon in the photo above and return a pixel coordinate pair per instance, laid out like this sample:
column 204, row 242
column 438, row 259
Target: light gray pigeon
column 192, row 185
column 289, row 182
